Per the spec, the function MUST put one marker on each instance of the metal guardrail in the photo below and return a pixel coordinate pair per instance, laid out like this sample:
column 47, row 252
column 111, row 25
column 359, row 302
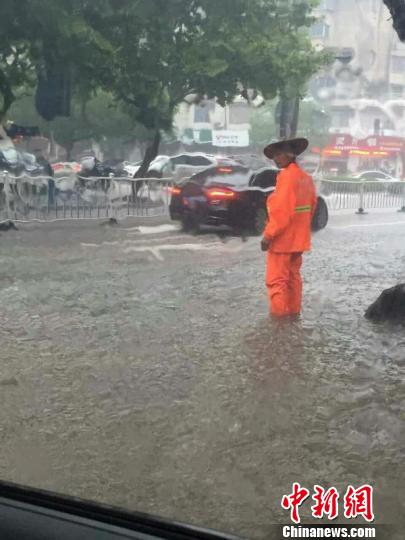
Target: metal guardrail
column 43, row 198
column 363, row 195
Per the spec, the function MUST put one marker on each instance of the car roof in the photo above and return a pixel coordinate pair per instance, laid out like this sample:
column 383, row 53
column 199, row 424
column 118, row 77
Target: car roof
column 270, row 169
column 194, row 154
column 371, row 171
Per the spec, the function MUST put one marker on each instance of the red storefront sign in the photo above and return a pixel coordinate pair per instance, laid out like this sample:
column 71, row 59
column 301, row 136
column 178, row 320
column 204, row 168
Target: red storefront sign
column 373, row 146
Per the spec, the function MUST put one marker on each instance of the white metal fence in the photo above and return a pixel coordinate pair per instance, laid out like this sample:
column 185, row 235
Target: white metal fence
column 363, row 195
column 43, row 198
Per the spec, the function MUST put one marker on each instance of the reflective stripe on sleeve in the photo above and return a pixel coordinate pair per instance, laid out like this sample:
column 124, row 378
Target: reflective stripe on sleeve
column 303, row 209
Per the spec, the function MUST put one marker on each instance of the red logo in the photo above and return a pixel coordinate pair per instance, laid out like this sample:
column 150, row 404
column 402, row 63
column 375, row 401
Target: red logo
column 294, row 501
column 357, row 502
column 326, row 503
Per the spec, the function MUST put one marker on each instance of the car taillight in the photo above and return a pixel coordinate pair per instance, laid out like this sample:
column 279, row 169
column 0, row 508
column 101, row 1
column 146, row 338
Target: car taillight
column 175, row 191
column 225, row 170
column 220, row 194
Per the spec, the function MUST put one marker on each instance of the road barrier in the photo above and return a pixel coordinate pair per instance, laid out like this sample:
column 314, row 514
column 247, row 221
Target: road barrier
column 43, row 198
column 363, row 195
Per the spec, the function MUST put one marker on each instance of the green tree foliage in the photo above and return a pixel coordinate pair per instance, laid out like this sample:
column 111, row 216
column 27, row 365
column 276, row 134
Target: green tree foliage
column 152, row 54
column 99, row 118
column 46, row 35
column 214, row 48
column 168, row 50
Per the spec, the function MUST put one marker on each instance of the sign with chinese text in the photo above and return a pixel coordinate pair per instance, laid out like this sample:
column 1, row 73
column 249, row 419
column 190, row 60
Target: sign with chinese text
column 230, row 138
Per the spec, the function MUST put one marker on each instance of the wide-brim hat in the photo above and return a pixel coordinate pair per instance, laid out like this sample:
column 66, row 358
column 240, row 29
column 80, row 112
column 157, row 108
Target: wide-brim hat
column 297, row 146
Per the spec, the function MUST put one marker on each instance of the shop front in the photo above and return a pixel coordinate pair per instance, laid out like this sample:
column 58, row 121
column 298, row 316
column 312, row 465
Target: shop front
column 347, row 156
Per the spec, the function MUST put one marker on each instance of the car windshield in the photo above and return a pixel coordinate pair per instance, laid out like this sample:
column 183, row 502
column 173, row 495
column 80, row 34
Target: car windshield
column 202, row 261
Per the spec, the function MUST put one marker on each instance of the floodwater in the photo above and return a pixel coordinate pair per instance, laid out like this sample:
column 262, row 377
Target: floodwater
column 139, row 368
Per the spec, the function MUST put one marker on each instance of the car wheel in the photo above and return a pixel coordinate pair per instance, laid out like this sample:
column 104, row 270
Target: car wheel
column 321, row 216
column 259, row 221
column 185, row 224
column 190, row 224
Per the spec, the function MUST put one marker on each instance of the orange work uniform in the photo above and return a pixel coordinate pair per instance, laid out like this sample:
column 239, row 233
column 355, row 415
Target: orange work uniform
column 290, row 209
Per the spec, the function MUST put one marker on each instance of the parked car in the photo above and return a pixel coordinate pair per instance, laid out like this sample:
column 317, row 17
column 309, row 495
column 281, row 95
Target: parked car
column 179, row 166
column 230, row 195
column 252, row 161
column 376, row 176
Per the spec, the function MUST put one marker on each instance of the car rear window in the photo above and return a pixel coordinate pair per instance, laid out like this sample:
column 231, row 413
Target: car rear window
column 228, row 175
column 198, row 161
column 265, row 179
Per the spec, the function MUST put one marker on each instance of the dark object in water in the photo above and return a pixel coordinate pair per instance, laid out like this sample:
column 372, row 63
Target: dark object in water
column 390, row 306
column 7, row 225
column 112, row 222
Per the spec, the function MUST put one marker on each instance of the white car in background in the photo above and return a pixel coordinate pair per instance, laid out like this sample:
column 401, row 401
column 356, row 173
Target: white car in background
column 177, row 167
column 376, row 176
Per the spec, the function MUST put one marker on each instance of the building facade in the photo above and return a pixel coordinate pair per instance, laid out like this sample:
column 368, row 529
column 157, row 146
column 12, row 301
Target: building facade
column 364, row 89
column 210, row 124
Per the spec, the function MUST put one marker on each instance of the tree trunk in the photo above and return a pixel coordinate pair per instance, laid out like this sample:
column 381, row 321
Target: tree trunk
column 295, row 117
column 69, row 148
column 7, row 95
column 151, row 152
column 289, row 115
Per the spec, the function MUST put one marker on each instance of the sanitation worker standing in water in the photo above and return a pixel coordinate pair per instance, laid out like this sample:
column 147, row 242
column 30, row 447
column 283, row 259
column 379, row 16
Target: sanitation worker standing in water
column 288, row 232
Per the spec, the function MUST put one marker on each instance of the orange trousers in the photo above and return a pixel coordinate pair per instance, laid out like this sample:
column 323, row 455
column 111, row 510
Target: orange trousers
column 284, row 283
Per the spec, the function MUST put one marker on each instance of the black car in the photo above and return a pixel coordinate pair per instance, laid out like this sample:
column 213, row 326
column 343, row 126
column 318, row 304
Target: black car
column 230, row 195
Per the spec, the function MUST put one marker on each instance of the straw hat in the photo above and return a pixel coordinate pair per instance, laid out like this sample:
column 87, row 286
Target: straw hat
column 296, row 146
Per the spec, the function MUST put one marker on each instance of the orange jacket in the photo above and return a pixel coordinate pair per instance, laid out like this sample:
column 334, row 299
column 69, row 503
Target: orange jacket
column 290, row 209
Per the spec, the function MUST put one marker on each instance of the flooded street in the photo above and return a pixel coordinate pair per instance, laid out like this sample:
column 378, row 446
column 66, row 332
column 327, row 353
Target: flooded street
column 139, row 368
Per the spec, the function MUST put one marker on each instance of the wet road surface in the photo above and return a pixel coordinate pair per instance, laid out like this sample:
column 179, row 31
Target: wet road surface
column 139, row 368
